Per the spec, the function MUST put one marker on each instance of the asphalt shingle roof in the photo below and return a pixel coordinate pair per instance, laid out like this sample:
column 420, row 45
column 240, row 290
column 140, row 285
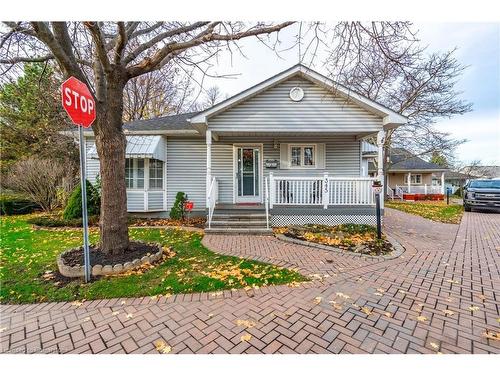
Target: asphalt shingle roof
column 173, row 122
column 402, row 159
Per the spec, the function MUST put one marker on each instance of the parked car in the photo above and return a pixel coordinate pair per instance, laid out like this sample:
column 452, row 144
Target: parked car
column 482, row 193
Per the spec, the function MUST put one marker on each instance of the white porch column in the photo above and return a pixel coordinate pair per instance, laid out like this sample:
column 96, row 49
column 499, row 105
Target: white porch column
column 442, row 183
column 409, row 182
column 380, row 164
column 208, row 135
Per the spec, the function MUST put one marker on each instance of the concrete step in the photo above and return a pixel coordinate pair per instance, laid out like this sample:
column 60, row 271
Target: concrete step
column 239, row 223
column 217, row 216
column 245, row 231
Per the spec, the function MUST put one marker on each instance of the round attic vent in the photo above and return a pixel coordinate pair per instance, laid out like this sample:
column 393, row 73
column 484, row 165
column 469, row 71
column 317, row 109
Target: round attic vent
column 296, row 94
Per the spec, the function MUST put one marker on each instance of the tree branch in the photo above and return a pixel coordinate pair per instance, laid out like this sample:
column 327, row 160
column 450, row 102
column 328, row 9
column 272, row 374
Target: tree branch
column 99, row 43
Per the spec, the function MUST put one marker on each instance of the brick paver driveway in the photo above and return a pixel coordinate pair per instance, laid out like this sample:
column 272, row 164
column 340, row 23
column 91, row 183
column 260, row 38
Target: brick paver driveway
column 441, row 295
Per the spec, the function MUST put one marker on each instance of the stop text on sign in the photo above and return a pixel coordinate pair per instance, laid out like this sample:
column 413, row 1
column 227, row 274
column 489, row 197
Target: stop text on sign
column 78, row 102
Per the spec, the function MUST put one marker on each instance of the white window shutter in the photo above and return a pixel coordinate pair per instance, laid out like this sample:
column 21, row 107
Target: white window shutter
column 284, row 161
column 321, row 157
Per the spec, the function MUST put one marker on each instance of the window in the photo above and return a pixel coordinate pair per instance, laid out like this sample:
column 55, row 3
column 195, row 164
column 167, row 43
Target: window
column 415, row 179
column 134, row 173
column 302, row 156
column 155, row 174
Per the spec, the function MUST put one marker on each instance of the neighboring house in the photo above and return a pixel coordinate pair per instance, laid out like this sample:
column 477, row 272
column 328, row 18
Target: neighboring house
column 455, row 180
column 290, row 146
column 410, row 177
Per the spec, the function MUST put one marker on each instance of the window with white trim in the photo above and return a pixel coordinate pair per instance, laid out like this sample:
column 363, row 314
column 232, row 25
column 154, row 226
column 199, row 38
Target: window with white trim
column 302, row 156
column 155, row 174
column 415, row 179
column 134, row 173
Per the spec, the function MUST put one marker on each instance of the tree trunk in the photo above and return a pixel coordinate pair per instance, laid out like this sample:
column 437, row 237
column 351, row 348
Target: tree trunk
column 110, row 144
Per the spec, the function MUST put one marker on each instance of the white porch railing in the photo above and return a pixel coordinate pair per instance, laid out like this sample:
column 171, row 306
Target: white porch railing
column 420, row 189
column 212, row 198
column 321, row 191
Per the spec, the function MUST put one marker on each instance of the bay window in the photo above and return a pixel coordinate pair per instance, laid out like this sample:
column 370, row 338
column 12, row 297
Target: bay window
column 137, row 171
column 155, row 174
column 134, row 173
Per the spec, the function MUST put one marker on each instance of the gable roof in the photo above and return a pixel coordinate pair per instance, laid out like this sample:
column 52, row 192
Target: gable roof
column 403, row 160
column 391, row 118
column 165, row 123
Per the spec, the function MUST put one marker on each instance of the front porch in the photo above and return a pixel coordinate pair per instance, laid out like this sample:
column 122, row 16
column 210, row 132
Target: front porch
column 317, row 179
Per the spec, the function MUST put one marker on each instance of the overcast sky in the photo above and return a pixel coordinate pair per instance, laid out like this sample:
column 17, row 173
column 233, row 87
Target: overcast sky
column 478, row 47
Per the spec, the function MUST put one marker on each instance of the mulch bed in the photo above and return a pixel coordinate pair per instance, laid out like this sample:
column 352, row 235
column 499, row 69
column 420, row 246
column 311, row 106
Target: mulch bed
column 355, row 238
column 197, row 222
column 136, row 250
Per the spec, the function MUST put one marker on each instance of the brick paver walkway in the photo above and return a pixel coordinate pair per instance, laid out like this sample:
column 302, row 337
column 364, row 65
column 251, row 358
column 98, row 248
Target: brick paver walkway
column 441, row 295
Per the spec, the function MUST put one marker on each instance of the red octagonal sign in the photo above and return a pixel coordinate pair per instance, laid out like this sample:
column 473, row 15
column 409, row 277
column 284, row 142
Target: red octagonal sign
column 78, row 102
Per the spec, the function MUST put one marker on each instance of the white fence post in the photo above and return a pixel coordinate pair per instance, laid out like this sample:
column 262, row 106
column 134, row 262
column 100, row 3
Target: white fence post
column 272, row 189
column 425, row 189
column 326, row 191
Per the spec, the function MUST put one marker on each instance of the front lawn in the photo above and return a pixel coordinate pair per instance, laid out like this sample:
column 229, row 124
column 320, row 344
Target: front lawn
column 28, row 270
column 433, row 210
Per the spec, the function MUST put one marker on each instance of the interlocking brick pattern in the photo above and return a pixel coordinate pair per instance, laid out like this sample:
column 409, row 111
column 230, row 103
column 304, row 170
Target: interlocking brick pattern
column 441, row 295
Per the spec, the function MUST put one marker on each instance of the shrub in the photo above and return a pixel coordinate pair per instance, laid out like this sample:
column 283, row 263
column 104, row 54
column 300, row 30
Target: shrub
column 177, row 211
column 73, row 209
column 15, row 204
column 54, row 221
column 39, row 180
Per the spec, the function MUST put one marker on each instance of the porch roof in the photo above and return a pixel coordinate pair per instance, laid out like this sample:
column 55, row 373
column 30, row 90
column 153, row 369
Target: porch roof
column 139, row 146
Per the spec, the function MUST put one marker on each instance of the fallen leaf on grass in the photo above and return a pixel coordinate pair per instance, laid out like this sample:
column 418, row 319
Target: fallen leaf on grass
column 448, row 312
column 245, row 323
column 162, row 347
column 246, row 337
column 422, row 318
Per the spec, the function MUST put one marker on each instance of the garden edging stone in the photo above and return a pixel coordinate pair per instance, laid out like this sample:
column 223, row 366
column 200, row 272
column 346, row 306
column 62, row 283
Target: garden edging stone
column 106, row 269
column 398, row 248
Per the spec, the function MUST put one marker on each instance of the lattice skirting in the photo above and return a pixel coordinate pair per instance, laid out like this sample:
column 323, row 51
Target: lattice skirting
column 283, row 220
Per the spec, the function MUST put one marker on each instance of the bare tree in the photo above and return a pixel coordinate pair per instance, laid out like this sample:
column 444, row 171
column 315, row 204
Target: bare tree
column 386, row 63
column 106, row 56
column 159, row 93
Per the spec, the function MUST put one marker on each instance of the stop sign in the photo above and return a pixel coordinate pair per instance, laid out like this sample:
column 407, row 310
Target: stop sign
column 78, row 102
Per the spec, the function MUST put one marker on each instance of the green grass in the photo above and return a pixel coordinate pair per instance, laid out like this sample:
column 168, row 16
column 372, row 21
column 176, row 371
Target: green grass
column 26, row 254
column 433, row 210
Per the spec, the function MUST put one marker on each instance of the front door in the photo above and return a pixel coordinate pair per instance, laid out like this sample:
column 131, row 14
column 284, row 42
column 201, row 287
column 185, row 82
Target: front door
column 247, row 178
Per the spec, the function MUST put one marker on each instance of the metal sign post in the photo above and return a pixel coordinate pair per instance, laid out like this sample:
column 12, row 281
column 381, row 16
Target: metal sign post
column 83, row 181
column 377, row 207
column 79, row 103
column 377, row 189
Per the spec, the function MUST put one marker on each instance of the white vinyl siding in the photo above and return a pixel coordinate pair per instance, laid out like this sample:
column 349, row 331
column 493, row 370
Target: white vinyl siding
column 319, row 110
column 91, row 164
column 186, row 170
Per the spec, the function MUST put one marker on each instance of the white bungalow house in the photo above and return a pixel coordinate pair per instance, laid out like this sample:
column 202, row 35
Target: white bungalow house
column 285, row 151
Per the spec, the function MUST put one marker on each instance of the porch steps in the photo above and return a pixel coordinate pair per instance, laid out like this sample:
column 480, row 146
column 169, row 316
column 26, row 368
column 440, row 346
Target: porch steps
column 239, row 220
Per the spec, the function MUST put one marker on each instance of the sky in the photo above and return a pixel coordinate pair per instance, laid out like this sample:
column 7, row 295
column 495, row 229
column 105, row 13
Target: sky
column 478, row 47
